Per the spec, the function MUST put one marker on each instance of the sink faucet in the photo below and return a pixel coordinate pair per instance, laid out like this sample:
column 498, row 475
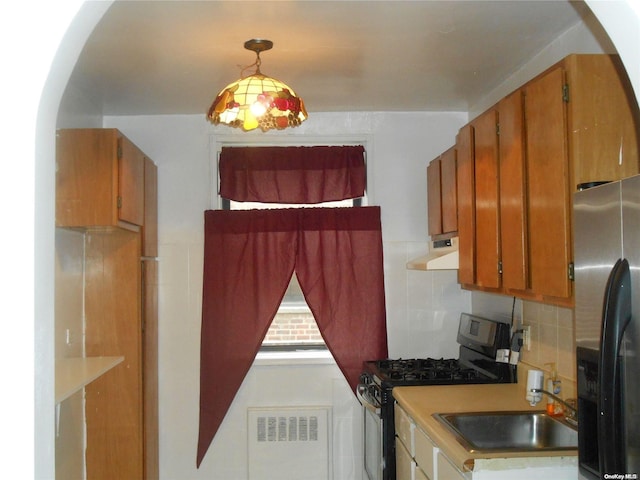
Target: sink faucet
column 570, row 405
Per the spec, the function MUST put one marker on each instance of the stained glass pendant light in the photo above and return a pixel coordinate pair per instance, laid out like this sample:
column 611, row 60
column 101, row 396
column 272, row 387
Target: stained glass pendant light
column 257, row 100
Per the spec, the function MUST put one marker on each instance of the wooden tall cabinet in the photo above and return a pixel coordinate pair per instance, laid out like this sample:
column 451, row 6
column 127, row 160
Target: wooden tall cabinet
column 107, row 188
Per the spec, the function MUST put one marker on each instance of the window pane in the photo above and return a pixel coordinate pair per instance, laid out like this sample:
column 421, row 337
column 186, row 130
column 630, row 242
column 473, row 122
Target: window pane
column 293, row 327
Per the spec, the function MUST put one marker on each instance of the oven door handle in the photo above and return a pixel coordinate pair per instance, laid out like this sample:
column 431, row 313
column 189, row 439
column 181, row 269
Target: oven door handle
column 363, row 398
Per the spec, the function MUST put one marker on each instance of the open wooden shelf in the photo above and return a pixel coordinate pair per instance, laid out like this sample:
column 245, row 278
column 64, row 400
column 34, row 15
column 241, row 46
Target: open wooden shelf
column 72, row 374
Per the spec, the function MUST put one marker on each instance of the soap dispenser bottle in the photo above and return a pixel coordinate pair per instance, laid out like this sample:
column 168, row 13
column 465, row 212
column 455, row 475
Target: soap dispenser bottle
column 554, row 386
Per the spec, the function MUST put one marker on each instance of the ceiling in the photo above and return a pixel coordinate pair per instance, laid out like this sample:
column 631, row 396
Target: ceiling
column 173, row 57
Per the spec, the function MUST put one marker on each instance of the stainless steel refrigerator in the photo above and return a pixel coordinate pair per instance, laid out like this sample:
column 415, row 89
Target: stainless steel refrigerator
column 607, row 313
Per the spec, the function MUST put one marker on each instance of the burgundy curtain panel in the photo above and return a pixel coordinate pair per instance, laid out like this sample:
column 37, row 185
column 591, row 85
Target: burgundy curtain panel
column 340, row 270
column 293, row 175
column 249, row 258
column 248, row 261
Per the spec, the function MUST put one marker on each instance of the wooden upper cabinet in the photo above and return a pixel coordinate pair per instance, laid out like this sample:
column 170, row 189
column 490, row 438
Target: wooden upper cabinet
column 150, row 226
column 574, row 123
column 603, row 124
column 442, row 197
column 487, row 233
column 466, row 205
column 513, row 202
column 131, row 183
column 434, row 198
column 449, row 191
column 547, row 174
column 99, row 179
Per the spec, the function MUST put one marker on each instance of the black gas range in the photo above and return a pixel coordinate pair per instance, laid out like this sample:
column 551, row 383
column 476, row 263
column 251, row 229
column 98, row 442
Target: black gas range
column 483, row 358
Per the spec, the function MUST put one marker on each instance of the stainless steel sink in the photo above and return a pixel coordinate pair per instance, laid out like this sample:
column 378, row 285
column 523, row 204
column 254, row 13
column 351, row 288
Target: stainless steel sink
column 491, row 432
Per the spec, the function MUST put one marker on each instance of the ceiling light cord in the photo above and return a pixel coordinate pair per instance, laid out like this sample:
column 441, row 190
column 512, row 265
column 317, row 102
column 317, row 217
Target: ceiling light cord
column 256, row 64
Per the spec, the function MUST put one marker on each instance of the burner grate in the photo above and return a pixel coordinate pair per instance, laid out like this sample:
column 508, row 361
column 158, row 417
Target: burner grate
column 424, row 370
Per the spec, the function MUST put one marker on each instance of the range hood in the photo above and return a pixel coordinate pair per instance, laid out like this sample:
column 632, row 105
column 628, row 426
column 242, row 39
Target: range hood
column 443, row 255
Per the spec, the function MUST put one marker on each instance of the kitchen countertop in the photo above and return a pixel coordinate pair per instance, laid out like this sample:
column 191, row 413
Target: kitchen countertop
column 421, row 402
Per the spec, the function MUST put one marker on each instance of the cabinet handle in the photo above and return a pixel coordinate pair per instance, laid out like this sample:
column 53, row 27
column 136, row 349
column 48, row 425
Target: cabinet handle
column 571, row 272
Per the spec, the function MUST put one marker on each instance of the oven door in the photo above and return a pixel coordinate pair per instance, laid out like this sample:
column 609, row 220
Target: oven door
column 373, row 455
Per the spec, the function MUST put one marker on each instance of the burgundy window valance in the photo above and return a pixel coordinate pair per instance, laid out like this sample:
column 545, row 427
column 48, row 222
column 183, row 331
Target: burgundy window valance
column 249, row 258
column 294, row 175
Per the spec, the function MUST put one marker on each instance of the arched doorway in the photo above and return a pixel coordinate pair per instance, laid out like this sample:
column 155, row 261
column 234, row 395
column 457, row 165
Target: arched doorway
column 33, row 201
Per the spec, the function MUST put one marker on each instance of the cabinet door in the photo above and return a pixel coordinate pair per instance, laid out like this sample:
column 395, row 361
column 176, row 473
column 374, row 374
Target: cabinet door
column 513, row 231
column 425, row 449
column 420, row 475
column 466, row 205
column 548, row 185
column 130, row 182
column 150, row 226
column 114, row 402
column 603, row 141
column 446, row 471
column 449, row 191
column 150, row 367
column 486, row 200
column 405, row 428
column 434, row 204
column 85, row 185
column 404, row 463
column 99, row 179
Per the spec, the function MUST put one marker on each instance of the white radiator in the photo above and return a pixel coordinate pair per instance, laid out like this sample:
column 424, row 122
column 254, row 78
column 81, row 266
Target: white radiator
column 289, row 443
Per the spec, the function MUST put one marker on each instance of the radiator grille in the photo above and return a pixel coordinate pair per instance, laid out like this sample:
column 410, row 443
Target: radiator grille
column 270, row 428
column 289, row 443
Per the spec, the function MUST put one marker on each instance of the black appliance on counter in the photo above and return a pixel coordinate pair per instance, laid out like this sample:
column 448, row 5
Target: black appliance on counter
column 481, row 341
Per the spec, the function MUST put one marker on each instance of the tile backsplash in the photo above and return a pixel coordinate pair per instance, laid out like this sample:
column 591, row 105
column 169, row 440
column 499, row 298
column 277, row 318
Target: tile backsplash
column 552, row 333
column 552, row 340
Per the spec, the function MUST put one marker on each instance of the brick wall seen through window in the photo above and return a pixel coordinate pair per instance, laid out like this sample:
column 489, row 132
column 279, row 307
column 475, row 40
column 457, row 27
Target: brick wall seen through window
column 293, row 327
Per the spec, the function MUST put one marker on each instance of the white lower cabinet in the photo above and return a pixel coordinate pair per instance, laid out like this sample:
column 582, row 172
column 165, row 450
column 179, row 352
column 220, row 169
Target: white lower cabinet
column 414, row 449
column 420, row 475
column 446, row 471
column 405, row 466
column 425, row 453
column 419, row 458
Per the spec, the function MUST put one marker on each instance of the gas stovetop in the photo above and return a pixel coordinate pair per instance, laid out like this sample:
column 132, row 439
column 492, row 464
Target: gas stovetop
column 481, row 342
column 428, row 371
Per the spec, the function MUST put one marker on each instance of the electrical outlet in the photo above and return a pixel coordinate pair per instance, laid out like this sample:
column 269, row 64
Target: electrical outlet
column 526, row 337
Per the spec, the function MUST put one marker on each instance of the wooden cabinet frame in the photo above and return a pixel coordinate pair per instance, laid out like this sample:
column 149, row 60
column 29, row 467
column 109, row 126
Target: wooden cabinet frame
column 107, row 188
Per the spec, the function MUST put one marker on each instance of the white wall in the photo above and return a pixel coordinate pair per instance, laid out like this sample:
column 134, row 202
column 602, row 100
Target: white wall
column 69, row 311
column 422, row 308
column 585, row 37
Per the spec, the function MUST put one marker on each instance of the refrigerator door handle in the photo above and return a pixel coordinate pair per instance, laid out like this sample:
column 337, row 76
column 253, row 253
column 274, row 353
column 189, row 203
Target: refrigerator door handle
column 616, row 316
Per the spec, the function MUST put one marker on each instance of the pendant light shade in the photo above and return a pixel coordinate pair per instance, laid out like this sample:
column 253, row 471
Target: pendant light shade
column 257, row 100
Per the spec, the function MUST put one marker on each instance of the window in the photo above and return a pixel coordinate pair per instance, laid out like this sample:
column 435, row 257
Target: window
column 293, row 328
column 338, row 172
